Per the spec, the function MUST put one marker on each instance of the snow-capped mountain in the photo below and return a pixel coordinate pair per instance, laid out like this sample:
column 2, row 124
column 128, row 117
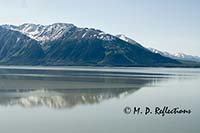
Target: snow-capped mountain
column 42, row 32
column 179, row 56
column 66, row 44
column 45, row 33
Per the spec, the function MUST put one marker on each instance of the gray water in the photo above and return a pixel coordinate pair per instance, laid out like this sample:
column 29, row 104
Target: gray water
column 92, row 100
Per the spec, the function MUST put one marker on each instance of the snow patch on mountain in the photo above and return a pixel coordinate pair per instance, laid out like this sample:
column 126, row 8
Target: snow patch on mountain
column 87, row 33
column 105, row 37
column 84, row 34
column 126, row 39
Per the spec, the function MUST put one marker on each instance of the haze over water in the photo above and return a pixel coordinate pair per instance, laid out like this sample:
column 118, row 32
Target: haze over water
column 92, row 99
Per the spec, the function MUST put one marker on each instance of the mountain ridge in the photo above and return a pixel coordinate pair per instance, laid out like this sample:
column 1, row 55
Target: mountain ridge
column 41, row 32
column 178, row 56
column 66, row 44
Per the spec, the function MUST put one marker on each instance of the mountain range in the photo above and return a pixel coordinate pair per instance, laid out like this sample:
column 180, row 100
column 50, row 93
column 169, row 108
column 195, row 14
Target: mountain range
column 66, row 44
column 177, row 56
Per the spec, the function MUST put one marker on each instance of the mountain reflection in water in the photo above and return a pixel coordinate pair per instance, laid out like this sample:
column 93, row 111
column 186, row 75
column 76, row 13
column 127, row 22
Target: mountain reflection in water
column 67, row 89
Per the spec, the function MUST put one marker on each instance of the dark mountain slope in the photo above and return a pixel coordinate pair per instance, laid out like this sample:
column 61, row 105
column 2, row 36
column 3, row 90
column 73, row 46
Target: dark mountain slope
column 93, row 47
column 18, row 49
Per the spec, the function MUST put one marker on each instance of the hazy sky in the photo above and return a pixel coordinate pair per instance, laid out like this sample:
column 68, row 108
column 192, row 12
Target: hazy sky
column 170, row 25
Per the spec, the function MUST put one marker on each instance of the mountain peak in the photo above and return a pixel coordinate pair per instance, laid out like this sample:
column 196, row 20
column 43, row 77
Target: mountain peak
column 42, row 32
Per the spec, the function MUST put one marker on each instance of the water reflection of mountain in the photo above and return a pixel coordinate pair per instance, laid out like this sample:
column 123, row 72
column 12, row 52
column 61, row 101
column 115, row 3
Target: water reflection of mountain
column 60, row 99
column 67, row 89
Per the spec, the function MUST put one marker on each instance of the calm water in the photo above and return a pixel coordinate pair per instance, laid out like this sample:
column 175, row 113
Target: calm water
column 92, row 100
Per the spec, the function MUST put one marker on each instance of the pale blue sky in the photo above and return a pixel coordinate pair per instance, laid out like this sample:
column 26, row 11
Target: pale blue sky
column 171, row 25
